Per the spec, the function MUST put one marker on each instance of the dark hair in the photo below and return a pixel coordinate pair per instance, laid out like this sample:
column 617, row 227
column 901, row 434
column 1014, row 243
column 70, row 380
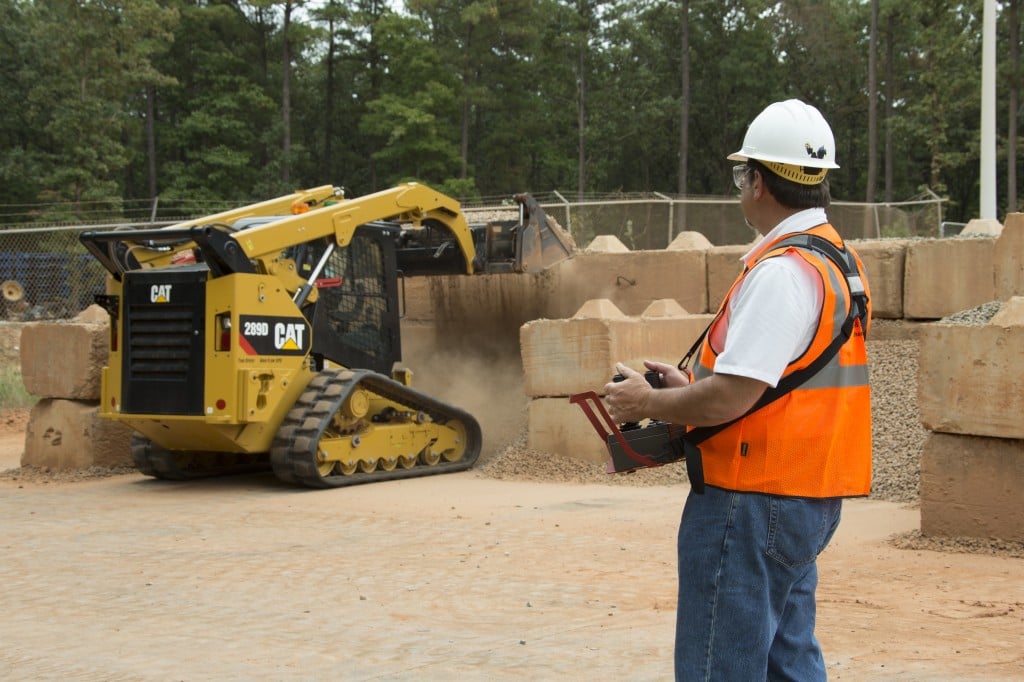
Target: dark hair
column 792, row 194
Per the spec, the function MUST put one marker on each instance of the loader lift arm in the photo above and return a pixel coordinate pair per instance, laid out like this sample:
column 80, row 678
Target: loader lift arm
column 308, row 215
column 533, row 243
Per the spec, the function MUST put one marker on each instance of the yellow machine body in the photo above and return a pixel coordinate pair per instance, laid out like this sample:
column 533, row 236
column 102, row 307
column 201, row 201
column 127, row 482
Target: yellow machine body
column 268, row 334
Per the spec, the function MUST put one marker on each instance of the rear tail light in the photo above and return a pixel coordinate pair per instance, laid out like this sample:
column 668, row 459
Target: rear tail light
column 223, row 331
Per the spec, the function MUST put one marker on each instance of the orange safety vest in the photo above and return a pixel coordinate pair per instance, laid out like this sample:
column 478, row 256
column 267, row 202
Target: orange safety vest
column 815, row 440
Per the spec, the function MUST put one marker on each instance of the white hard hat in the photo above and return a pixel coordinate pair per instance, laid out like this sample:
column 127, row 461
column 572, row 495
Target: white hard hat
column 789, row 137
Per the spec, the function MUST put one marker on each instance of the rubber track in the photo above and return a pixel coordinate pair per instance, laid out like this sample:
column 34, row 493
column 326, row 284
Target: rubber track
column 293, row 452
column 152, row 460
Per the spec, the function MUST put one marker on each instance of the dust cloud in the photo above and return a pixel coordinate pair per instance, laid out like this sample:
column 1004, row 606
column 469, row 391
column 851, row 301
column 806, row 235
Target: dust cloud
column 487, row 384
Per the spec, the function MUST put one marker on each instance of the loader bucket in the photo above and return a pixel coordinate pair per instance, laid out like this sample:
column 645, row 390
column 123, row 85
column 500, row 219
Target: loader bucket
column 542, row 242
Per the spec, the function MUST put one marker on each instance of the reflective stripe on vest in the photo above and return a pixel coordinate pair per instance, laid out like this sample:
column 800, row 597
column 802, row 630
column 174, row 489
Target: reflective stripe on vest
column 814, row 441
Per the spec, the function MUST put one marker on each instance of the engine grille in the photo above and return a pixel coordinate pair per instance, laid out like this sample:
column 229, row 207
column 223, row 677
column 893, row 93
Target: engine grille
column 163, row 341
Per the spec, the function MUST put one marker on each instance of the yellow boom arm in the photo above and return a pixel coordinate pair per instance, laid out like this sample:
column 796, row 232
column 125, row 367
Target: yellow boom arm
column 408, row 203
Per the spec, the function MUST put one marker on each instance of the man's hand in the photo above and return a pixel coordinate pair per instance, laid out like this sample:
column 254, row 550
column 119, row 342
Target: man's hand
column 627, row 399
column 670, row 375
column 714, row 400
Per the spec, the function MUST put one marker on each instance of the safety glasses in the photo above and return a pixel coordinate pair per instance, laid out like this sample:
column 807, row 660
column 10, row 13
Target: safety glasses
column 739, row 173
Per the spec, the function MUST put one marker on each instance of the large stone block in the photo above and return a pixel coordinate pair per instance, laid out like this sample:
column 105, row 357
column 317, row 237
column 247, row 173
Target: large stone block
column 485, row 311
column 667, row 339
column 884, row 264
column 724, row 265
column 630, row 280
column 690, row 241
column 944, row 276
column 606, row 243
column 969, row 380
column 562, row 357
column 970, row 486
column 69, row 434
column 417, row 299
column 987, row 227
column 1008, row 258
column 561, row 428
column 64, row 359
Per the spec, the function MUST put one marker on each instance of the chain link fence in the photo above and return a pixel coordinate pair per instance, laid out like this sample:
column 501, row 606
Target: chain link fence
column 652, row 221
column 46, row 273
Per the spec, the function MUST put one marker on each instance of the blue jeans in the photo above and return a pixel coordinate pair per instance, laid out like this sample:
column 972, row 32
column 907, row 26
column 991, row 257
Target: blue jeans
column 747, row 575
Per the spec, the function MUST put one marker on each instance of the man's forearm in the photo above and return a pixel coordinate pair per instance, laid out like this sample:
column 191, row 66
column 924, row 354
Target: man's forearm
column 714, row 400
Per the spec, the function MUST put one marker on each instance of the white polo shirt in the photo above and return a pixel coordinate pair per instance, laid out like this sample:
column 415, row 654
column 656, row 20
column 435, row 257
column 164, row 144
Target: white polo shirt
column 774, row 314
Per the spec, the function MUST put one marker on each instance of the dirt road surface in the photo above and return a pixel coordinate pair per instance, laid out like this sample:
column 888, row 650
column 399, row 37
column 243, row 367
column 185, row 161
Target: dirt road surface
column 454, row 577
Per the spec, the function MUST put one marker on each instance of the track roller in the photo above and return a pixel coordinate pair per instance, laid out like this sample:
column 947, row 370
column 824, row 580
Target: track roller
column 351, row 427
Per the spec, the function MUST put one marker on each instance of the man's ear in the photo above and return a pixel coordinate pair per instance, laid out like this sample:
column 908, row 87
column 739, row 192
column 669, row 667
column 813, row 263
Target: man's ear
column 757, row 183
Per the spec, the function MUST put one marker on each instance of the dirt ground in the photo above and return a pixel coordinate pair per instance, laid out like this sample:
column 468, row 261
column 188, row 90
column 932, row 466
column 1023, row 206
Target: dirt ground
column 441, row 578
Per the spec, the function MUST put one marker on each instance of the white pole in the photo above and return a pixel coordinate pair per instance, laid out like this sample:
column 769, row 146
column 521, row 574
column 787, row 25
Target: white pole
column 988, row 112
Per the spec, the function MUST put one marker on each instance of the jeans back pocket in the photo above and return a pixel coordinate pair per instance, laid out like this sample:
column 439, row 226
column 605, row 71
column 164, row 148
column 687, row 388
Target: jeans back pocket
column 800, row 528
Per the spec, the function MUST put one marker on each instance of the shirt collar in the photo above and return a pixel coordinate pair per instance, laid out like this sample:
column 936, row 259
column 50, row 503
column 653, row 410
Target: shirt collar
column 798, row 222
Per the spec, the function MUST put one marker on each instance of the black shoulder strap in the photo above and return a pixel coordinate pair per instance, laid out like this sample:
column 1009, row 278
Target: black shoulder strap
column 847, row 264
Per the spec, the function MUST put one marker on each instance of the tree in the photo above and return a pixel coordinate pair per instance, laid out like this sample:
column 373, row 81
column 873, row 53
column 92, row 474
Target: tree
column 872, row 180
column 226, row 99
column 212, row 119
column 91, row 64
column 410, row 116
column 684, row 97
column 20, row 170
column 1013, row 100
column 336, row 18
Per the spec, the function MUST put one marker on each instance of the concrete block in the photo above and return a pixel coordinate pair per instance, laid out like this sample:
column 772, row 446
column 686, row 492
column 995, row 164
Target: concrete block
column 690, row 241
column 723, row 267
column 606, row 243
column 69, row 434
column 970, row 486
column 93, row 314
column 558, row 427
column 630, row 280
column 485, row 311
column 64, row 359
column 667, row 339
column 599, row 308
column 563, row 357
column 884, row 264
column 969, row 381
column 665, row 307
column 988, row 227
column 1008, row 258
column 944, row 276
column 1010, row 314
column 417, row 295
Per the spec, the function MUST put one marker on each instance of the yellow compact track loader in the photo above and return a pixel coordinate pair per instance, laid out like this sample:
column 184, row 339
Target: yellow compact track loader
column 268, row 334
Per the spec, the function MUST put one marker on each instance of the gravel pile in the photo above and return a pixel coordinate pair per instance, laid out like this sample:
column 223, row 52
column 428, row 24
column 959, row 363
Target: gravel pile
column 46, row 475
column 896, row 432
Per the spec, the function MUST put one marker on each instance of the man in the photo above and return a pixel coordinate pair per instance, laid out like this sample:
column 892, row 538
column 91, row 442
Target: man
column 790, row 417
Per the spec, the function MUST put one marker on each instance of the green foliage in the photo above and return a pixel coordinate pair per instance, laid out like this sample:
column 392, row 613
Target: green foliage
column 113, row 103
column 464, row 188
column 12, row 389
column 897, row 229
column 81, row 66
